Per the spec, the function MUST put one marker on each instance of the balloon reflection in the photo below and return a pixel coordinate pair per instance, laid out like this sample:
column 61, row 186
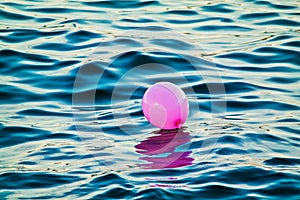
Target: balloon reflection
column 163, row 150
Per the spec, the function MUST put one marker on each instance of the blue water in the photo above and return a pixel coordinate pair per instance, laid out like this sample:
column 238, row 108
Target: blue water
column 73, row 73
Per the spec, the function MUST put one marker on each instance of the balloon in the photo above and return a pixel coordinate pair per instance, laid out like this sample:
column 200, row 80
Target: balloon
column 165, row 106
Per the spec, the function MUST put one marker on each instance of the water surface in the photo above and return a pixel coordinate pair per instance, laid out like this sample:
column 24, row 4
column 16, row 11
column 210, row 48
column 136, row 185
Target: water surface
column 67, row 132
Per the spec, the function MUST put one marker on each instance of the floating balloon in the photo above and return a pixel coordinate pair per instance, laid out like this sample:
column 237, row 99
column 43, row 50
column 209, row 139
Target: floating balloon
column 165, row 106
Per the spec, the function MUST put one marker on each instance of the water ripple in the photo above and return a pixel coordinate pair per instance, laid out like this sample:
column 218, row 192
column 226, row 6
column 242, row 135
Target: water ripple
column 122, row 4
column 219, row 8
column 282, row 22
column 13, row 16
column 34, row 180
column 258, row 16
column 222, row 28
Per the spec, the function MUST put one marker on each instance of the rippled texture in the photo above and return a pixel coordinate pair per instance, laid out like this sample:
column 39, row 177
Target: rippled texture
column 53, row 147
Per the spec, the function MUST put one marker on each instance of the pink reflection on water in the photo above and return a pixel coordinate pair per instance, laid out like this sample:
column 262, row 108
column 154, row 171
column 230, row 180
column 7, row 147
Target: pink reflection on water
column 162, row 150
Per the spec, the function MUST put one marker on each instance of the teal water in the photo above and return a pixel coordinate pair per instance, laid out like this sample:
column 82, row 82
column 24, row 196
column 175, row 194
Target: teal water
column 73, row 73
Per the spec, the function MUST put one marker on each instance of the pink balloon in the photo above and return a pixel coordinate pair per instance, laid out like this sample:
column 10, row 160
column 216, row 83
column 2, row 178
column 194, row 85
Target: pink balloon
column 165, row 106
